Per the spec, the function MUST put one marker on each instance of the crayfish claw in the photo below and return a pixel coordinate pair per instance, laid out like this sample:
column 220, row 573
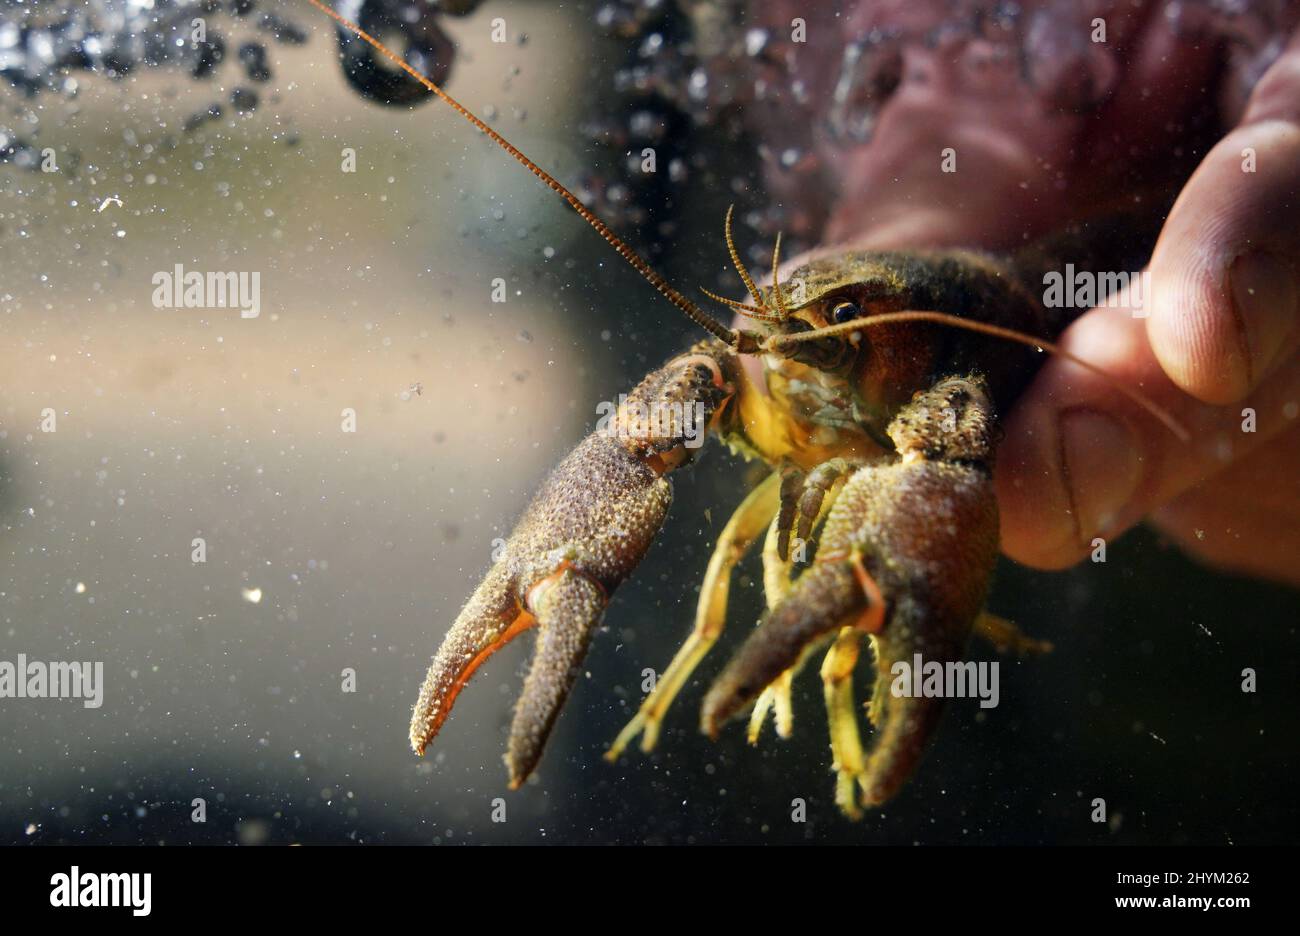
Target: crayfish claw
column 903, row 722
column 580, row 538
column 490, row 620
column 822, row 600
column 905, row 556
column 568, row 606
column 568, row 552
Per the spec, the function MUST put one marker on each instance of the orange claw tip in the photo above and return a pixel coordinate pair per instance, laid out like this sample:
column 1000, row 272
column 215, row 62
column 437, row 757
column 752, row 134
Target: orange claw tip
column 486, row 625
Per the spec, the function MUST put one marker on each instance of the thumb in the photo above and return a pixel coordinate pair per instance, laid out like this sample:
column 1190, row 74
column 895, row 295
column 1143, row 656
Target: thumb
column 1081, row 460
column 1226, row 301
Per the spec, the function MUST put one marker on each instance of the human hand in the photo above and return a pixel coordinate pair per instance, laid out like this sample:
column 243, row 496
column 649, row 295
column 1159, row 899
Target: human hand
column 1080, row 460
column 1218, row 350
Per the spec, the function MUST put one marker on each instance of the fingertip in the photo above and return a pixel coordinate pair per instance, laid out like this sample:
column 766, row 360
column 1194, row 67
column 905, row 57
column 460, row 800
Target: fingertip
column 1224, row 297
column 1262, row 289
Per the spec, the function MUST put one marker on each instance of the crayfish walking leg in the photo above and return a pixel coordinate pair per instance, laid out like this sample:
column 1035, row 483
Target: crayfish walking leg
column 745, row 526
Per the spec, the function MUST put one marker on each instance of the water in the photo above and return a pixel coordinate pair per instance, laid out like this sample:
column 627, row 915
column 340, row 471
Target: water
column 330, row 551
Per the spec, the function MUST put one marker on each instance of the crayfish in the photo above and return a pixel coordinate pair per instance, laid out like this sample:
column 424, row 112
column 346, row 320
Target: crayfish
column 876, row 411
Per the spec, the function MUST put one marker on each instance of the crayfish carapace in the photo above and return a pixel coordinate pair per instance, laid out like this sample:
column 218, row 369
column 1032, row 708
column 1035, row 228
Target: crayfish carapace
column 876, row 411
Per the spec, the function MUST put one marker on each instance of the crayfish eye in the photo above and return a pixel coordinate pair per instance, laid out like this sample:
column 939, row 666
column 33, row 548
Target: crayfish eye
column 845, row 312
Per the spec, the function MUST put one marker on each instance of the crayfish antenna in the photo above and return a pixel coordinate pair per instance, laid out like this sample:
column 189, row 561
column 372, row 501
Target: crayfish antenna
column 633, row 259
column 781, row 310
column 759, row 310
column 762, row 315
column 739, row 264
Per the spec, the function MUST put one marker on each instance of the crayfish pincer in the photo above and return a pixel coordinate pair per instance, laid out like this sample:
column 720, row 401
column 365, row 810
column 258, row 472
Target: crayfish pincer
column 583, row 534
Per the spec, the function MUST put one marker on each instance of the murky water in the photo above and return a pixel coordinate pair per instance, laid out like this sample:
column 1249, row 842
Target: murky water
column 330, row 552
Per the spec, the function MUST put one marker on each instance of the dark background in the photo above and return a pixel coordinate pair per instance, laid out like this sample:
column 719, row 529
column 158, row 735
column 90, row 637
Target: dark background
column 175, row 424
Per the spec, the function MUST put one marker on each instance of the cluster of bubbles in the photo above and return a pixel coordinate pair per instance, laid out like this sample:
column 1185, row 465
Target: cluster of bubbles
column 733, row 69
column 44, row 48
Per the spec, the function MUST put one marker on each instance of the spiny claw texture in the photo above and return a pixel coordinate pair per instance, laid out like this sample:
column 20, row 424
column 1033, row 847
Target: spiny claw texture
column 923, row 530
column 570, row 549
column 581, row 536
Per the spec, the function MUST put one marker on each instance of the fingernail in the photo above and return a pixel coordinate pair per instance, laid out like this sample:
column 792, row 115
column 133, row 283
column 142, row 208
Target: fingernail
column 1102, row 467
column 1263, row 288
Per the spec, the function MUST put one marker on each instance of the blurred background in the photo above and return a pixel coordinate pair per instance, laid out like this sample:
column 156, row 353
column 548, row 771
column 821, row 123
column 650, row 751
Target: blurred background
column 329, row 550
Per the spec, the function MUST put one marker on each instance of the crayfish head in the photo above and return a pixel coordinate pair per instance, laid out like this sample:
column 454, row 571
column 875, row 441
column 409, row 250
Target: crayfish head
column 952, row 421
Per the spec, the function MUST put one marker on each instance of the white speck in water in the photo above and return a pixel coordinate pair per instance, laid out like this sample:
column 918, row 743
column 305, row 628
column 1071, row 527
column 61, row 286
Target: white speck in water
column 252, row 595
